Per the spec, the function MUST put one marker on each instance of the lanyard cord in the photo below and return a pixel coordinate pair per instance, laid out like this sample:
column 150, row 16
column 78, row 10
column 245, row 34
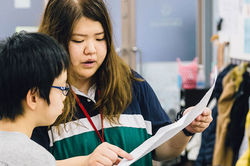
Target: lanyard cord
column 88, row 117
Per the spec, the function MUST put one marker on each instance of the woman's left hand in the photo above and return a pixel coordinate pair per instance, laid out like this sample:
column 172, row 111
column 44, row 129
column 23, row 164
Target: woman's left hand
column 201, row 122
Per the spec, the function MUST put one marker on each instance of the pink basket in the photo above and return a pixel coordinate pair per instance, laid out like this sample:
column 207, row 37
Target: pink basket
column 188, row 73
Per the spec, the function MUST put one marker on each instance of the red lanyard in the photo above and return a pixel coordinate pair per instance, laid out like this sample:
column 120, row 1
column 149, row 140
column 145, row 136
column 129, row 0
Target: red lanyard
column 88, row 117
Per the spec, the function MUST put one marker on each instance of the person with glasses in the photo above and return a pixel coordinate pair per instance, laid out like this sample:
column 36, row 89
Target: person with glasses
column 111, row 109
column 30, row 97
column 64, row 89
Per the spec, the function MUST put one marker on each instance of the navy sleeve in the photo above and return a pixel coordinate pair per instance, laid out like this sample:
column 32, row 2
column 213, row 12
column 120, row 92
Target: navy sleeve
column 40, row 136
column 149, row 104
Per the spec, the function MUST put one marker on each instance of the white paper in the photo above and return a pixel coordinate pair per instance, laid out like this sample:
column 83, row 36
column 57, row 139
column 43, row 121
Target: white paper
column 22, row 4
column 27, row 28
column 229, row 10
column 167, row 132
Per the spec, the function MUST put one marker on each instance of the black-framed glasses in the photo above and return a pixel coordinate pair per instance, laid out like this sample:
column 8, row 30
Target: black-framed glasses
column 64, row 89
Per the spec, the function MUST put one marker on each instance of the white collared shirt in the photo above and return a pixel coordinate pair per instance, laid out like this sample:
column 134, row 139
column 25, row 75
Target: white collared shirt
column 90, row 95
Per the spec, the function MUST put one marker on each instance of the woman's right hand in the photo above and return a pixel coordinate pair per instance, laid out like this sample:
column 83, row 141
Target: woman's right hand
column 106, row 155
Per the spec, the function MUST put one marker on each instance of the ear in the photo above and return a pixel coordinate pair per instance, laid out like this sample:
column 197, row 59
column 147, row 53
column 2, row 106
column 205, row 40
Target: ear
column 32, row 99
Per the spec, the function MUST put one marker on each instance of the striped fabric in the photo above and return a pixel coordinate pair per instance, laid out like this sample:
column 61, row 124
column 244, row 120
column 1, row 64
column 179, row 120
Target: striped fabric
column 142, row 118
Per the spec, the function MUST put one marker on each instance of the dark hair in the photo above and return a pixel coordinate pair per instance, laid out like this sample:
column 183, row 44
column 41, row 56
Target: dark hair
column 60, row 17
column 114, row 77
column 28, row 61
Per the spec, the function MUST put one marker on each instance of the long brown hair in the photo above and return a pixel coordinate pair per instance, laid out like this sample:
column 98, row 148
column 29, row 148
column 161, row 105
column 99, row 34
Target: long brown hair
column 114, row 77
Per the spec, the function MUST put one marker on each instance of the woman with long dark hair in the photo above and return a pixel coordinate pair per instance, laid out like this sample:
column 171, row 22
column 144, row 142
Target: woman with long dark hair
column 111, row 109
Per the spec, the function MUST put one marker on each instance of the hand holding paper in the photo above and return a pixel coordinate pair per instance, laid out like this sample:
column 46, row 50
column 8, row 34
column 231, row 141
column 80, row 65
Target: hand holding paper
column 167, row 132
column 201, row 122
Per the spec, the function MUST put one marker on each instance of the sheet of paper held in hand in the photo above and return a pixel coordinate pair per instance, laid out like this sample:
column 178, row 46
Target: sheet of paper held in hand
column 167, row 132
